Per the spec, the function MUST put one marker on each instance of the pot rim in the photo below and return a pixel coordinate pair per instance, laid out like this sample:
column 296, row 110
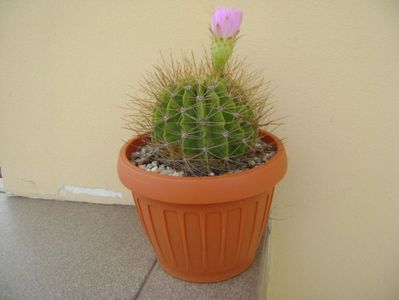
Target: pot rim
column 202, row 189
column 280, row 151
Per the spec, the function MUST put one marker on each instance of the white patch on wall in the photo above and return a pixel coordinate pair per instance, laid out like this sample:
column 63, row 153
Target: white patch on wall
column 98, row 192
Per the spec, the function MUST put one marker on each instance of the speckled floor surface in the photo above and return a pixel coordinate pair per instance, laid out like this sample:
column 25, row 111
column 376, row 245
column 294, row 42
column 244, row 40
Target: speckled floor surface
column 66, row 250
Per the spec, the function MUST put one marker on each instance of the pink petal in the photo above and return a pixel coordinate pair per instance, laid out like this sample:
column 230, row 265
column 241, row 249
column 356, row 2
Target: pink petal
column 226, row 22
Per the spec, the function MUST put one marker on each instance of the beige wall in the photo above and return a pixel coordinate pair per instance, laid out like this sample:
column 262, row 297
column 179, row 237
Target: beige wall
column 66, row 67
column 336, row 216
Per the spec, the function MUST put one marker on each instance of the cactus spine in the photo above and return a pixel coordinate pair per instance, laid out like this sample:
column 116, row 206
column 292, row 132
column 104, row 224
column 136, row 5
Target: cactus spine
column 205, row 120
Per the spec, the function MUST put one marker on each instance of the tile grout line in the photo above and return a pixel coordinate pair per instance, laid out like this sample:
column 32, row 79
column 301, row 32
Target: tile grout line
column 145, row 280
column 265, row 263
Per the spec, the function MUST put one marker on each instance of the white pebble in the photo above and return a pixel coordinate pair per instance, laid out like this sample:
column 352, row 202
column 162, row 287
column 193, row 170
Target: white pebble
column 251, row 163
column 155, row 169
column 267, row 156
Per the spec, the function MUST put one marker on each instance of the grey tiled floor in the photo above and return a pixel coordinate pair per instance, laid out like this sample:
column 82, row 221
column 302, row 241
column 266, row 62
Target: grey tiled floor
column 65, row 250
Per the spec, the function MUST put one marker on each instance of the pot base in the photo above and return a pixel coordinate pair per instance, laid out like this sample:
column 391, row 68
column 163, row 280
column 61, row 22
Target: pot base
column 205, row 243
column 208, row 276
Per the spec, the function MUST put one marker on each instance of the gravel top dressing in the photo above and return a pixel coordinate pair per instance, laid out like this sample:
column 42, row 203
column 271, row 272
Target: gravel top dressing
column 148, row 158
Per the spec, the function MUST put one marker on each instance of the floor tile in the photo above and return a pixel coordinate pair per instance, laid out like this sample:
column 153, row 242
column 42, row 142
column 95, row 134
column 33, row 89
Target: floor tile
column 66, row 250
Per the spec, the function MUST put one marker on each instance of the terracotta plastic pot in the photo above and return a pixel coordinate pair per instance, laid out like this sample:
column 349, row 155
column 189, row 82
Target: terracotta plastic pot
column 203, row 229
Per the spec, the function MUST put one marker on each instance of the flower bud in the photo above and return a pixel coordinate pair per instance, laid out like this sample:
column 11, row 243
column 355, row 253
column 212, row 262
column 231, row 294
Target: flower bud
column 225, row 27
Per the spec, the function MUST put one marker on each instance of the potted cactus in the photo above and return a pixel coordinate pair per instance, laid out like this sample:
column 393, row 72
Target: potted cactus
column 202, row 168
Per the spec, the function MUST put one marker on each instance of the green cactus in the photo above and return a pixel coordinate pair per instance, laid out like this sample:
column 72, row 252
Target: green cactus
column 203, row 115
column 204, row 119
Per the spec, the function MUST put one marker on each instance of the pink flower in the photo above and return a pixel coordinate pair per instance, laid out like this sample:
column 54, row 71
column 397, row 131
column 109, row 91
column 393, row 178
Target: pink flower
column 226, row 22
